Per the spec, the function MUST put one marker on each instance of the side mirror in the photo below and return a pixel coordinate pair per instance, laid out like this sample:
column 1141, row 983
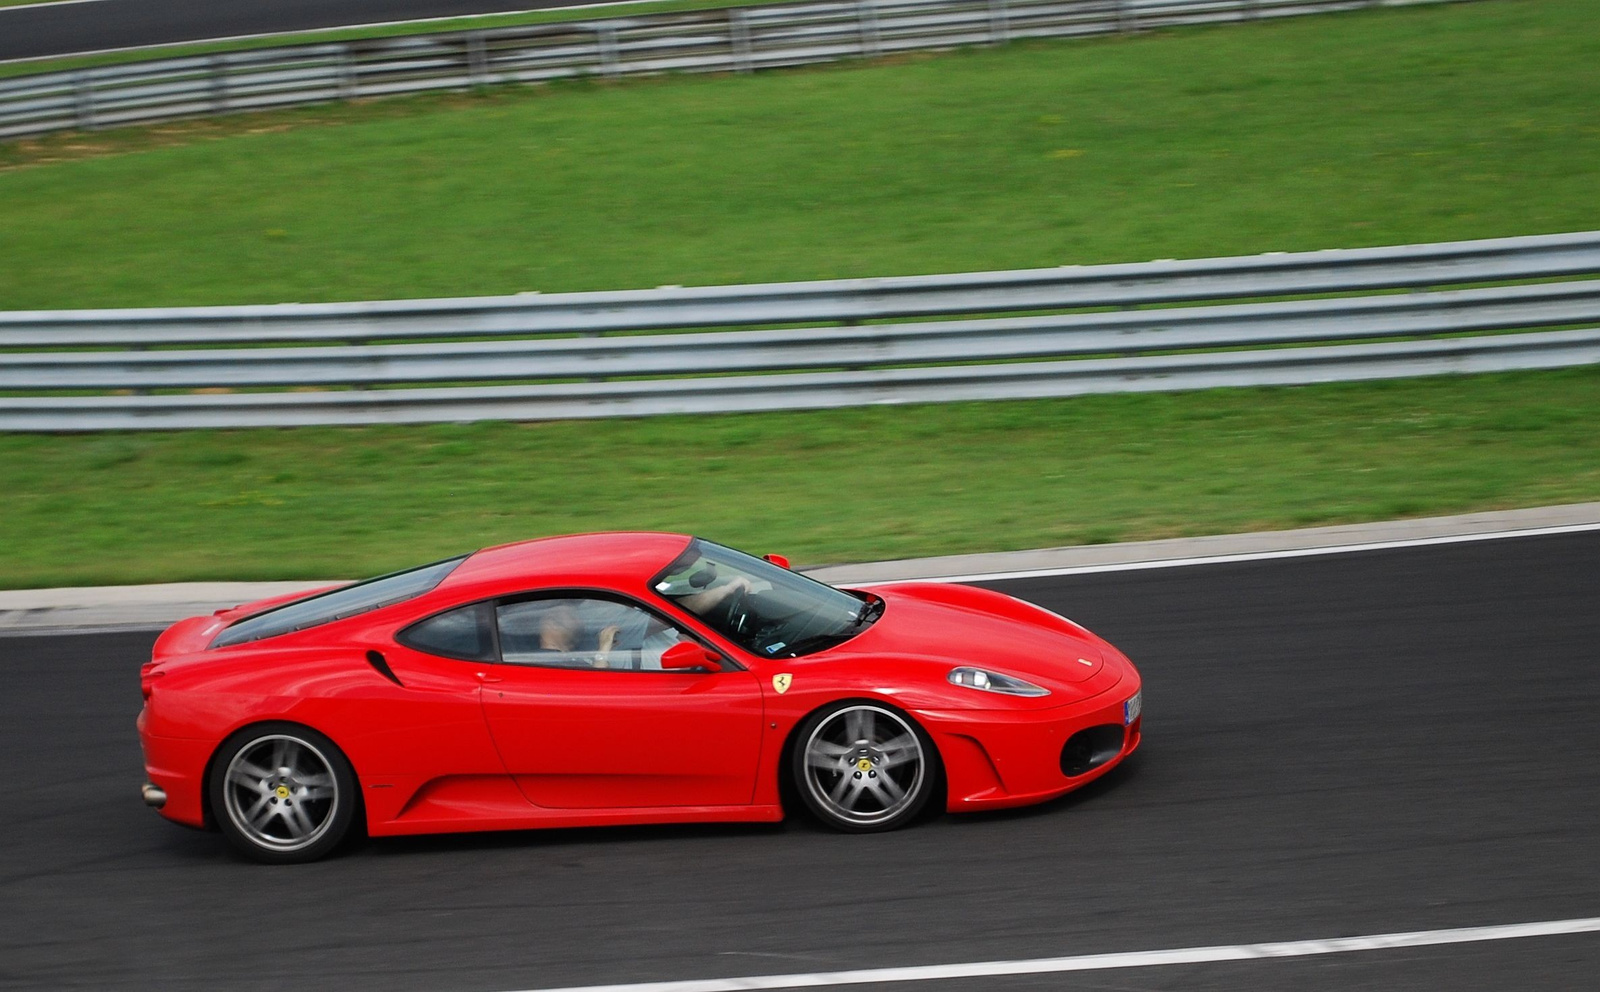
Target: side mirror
column 778, row 560
column 689, row 656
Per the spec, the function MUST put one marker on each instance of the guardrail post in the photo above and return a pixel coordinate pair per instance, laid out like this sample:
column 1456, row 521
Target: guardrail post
column 739, row 39
column 871, row 38
column 219, row 84
column 348, row 88
column 139, row 390
column 1127, row 17
column 83, row 100
column 606, row 40
column 999, row 22
column 1252, row 9
column 477, row 59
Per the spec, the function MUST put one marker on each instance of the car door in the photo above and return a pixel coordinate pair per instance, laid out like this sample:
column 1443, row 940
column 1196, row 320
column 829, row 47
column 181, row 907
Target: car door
column 585, row 718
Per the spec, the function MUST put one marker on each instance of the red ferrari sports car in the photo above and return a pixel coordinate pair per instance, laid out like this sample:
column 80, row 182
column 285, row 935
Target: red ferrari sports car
column 619, row 678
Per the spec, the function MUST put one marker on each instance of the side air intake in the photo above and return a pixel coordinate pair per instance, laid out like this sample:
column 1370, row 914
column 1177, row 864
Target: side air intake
column 377, row 660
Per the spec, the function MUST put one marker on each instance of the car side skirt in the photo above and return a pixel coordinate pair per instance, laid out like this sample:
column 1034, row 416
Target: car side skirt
column 531, row 817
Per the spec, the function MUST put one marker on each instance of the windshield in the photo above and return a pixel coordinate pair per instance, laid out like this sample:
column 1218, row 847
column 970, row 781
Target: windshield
column 765, row 609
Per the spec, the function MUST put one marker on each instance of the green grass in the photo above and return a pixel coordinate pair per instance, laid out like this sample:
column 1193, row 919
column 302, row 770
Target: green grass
column 825, row 486
column 1380, row 127
column 1376, row 127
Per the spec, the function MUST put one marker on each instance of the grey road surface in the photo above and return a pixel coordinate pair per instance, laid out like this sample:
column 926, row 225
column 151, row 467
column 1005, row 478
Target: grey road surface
column 97, row 25
column 1373, row 742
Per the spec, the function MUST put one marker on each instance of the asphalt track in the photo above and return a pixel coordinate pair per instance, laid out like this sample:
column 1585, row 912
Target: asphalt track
column 98, row 25
column 1354, row 744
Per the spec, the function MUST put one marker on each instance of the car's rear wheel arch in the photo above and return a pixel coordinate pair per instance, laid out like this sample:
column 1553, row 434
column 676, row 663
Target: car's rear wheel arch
column 352, row 813
column 791, row 787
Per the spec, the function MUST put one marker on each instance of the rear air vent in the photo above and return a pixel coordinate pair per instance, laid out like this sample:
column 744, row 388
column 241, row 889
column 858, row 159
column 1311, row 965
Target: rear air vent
column 1087, row 750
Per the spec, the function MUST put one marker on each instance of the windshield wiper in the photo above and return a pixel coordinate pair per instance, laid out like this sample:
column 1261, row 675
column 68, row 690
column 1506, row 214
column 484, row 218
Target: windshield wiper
column 870, row 610
column 815, row 643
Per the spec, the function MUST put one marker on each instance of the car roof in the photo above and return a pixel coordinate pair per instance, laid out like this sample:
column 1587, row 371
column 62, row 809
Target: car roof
column 617, row 560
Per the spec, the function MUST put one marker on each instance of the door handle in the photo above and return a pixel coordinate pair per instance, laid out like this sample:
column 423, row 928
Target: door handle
column 486, row 678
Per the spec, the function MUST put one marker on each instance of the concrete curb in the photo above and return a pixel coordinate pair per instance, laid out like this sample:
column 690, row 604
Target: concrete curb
column 1219, row 546
column 127, row 607
column 106, row 608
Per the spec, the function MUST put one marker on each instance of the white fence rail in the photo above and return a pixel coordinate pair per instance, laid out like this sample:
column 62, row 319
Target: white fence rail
column 1041, row 332
column 737, row 39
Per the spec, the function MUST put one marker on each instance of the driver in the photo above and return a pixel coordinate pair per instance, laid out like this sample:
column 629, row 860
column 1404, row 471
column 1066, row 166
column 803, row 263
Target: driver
column 703, row 602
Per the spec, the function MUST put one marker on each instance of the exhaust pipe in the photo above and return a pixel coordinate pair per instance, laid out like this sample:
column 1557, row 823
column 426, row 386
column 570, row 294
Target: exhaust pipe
column 153, row 795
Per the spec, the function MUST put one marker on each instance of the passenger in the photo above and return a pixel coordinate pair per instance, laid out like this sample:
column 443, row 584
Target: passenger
column 561, row 629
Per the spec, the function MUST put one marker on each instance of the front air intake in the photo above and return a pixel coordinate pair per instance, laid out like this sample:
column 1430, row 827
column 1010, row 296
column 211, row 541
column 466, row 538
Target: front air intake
column 1088, row 749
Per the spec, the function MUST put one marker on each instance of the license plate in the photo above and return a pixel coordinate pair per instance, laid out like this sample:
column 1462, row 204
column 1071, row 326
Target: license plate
column 1132, row 708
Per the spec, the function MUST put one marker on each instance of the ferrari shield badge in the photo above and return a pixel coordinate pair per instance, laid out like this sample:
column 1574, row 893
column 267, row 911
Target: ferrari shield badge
column 781, row 682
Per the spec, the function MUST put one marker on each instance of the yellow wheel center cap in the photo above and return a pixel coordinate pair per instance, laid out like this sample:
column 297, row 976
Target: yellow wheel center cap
column 283, row 792
column 865, row 764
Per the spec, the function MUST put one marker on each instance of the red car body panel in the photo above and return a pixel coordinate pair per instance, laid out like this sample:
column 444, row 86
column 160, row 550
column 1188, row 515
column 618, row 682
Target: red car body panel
column 664, row 740
column 461, row 745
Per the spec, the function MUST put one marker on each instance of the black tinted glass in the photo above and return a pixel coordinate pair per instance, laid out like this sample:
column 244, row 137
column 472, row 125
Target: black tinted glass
column 457, row 634
column 760, row 606
column 343, row 602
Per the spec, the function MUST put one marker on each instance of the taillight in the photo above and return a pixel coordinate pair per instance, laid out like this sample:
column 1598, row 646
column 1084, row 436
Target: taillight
column 148, row 673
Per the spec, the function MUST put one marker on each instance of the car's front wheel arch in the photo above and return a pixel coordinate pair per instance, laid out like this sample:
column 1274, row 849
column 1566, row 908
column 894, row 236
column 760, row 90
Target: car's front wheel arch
column 798, row 778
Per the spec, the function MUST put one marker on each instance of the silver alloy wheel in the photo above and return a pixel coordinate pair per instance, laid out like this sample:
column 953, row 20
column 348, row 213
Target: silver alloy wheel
column 864, row 765
column 280, row 793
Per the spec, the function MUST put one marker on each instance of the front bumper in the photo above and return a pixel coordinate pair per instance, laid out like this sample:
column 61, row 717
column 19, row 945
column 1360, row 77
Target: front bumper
column 999, row 758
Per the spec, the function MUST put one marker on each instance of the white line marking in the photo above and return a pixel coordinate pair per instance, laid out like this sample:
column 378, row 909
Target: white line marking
column 1332, row 549
column 1104, row 962
column 75, row 630
column 48, row 3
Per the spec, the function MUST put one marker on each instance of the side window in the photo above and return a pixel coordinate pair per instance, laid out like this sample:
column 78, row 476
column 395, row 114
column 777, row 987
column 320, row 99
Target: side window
column 583, row 633
column 463, row 633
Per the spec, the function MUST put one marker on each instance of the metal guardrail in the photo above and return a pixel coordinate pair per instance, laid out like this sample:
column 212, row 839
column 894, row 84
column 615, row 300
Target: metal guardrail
column 840, row 301
column 1032, row 333
column 739, row 39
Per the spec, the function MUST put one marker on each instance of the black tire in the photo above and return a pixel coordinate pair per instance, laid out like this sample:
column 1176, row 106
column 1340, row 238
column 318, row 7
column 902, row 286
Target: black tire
column 861, row 766
column 282, row 793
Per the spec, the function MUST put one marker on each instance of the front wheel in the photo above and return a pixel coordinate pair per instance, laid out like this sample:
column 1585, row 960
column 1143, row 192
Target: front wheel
column 282, row 793
column 864, row 767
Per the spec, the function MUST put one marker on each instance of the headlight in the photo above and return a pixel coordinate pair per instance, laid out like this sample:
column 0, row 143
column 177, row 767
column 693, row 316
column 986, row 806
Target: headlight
column 978, row 678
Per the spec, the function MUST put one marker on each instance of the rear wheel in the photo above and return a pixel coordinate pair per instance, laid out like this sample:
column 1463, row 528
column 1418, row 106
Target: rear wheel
column 864, row 767
column 282, row 793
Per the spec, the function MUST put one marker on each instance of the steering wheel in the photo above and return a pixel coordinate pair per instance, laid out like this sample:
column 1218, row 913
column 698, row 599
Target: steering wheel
column 738, row 614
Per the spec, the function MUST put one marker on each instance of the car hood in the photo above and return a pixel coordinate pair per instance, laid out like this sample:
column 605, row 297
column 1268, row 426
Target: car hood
column 964, row 625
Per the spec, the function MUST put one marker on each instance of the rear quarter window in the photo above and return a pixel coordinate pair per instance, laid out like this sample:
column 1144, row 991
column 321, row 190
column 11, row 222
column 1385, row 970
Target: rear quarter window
column 461, row 633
